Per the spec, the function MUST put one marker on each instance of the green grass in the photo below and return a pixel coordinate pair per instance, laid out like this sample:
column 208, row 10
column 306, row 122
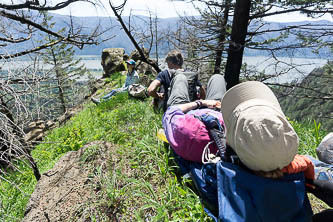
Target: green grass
column 143, row 184
column 310, row 136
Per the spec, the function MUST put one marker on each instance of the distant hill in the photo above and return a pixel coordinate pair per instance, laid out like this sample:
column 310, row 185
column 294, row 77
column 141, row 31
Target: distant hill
column 120, row 39
column 302, row 106
column 292, row 39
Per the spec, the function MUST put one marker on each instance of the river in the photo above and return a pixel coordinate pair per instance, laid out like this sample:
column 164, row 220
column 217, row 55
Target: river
column 290, row 68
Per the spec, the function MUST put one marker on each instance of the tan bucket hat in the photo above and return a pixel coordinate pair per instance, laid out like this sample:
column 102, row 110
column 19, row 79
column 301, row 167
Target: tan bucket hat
column 257, row 129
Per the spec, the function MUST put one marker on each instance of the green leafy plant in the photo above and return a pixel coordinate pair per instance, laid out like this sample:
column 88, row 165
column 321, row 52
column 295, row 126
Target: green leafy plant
column 316, row 132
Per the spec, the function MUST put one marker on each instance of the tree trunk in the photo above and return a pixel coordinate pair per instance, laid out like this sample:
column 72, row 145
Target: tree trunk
column 221, row 39
column 236, row 46
column 59, row 77
column 61, row 92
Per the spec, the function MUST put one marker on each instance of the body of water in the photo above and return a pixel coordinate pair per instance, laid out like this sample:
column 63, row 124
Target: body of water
column 289, row 69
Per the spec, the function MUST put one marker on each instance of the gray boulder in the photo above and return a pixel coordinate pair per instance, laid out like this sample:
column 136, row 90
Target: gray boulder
column 36, row 130
column 135, row 55
column 112, row 61
column 147, row 72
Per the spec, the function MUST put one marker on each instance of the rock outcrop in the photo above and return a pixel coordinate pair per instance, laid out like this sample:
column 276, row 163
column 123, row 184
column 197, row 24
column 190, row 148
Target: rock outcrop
column 36, row 130
column 112, row 61
column 135, row 55
column 147, row 73
column 66, row 192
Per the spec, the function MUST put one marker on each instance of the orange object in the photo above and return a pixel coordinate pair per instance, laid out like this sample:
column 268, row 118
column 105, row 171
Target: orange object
column 301, row 163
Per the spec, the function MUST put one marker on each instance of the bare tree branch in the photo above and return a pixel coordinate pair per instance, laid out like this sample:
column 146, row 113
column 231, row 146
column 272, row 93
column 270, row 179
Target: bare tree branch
column 115, row 10
column 69, row 39
column 35, row 5
column 26, row 52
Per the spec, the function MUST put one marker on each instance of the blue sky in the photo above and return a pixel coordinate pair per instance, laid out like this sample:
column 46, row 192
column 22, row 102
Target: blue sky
column 161, row 8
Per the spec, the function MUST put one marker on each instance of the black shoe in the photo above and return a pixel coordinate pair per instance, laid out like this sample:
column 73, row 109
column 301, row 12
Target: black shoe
column 96, row 101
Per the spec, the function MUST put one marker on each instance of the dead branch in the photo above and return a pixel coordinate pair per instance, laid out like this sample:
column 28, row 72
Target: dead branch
column 116, row 12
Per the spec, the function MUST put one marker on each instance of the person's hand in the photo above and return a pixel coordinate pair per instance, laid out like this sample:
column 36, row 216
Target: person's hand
column 301, row 163
column 211, row 104
column 160, row 95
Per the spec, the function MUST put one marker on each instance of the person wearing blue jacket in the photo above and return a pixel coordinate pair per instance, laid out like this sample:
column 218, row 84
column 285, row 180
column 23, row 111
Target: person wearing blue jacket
column 131, row 78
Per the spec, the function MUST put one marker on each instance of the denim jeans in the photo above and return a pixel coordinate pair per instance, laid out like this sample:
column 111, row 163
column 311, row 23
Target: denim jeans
column 109, row 95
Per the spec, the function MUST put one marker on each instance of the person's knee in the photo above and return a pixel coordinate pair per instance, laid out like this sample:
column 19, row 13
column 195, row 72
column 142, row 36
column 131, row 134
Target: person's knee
column 217, row 77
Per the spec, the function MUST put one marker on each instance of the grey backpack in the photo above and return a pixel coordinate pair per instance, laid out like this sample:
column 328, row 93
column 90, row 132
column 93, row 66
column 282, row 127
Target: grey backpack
column 325, row 149
column 137, row 91
column 192, row 78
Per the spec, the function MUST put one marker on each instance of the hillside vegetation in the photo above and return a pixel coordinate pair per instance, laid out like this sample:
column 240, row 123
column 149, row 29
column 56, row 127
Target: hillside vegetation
column 143, row 185
column 303, row 104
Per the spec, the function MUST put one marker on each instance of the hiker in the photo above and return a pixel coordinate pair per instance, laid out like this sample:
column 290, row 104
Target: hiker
column 266, row 144
column 132, row 77
column 260, row 177
column 174, row 60
column 186, row 134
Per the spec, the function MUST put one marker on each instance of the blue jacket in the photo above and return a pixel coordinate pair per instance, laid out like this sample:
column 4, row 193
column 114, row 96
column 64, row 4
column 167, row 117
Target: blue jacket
column 231, row 193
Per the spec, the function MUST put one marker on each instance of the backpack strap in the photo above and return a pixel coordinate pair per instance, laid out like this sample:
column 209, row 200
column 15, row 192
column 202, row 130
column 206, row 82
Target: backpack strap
column 216, row 132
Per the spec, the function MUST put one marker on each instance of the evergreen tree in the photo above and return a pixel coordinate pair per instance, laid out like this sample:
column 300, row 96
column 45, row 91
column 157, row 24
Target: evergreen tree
column 65, row 70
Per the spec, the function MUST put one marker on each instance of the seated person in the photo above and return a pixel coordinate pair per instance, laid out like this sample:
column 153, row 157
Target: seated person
column 266, row 144
column 187, row 134
column 132, row 77
column 174, row 60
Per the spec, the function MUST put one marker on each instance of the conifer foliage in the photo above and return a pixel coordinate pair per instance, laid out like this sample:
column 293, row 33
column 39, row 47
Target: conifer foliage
column 64, row 72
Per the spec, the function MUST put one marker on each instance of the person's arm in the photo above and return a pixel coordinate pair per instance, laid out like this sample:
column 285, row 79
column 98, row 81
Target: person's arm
column 152, row 89
column 199, row 103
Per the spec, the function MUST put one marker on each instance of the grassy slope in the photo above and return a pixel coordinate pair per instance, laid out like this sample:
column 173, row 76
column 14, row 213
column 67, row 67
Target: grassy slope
column 143, row 184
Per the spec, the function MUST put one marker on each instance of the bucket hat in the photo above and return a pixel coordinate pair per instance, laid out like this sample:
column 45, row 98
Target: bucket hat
column 257, row 129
